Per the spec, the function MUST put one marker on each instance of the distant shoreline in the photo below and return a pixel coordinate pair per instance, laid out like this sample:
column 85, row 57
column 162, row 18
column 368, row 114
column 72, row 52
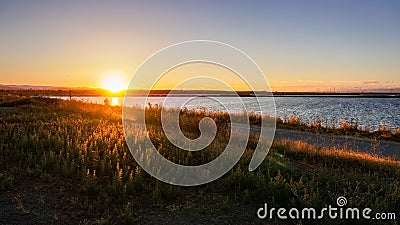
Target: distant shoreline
column 191, row 93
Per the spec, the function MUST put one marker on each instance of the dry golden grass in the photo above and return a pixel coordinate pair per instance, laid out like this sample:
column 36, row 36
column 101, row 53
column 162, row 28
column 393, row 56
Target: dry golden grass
column 83, row 144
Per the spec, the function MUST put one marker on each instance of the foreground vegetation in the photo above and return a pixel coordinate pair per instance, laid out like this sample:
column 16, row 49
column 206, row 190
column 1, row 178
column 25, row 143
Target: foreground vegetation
column 78, row 149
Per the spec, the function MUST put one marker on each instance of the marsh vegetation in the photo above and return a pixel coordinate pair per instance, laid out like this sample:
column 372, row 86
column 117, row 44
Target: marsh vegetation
column 77, row 154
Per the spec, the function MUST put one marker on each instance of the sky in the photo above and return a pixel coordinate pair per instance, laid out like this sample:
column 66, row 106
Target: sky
column 299, row 45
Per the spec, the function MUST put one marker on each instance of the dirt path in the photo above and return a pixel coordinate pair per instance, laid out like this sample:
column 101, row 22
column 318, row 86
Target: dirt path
column 380, row 147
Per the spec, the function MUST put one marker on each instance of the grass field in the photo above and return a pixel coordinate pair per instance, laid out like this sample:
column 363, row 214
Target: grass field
column 76, row 154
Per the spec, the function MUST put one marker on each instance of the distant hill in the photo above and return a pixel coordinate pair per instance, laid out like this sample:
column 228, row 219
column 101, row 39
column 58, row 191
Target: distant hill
column 36, row 87
column 37, row 90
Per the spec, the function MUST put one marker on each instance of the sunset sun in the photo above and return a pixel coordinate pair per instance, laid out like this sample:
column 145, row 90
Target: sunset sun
column 113, row 83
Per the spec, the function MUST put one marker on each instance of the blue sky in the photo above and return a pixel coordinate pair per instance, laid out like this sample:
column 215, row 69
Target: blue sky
column 299, row 45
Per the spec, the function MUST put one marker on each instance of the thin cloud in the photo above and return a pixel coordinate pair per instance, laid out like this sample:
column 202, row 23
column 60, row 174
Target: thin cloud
column 371, row 82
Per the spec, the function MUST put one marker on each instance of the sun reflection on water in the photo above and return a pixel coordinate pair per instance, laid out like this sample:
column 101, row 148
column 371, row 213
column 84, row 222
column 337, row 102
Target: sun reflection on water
column 115, row 101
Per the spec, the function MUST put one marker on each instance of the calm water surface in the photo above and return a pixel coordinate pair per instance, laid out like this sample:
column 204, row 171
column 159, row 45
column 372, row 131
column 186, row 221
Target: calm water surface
column 371, row 112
